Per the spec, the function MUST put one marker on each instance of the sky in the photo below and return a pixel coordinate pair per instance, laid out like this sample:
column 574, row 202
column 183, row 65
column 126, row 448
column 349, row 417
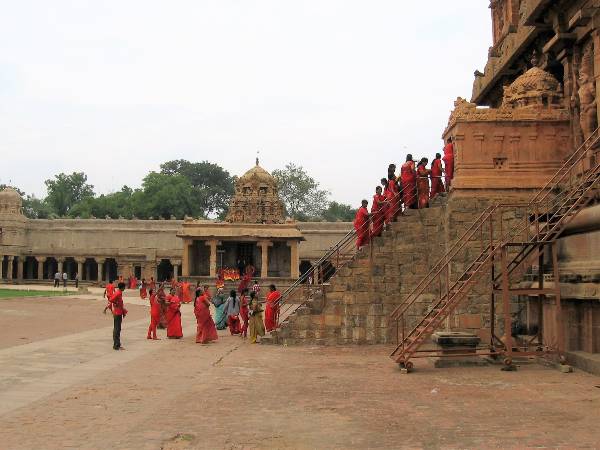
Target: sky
column 114, row 88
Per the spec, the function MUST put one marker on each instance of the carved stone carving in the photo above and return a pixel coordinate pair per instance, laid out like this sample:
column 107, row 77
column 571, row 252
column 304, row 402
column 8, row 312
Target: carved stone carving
column 588, row 118
column 256, row 199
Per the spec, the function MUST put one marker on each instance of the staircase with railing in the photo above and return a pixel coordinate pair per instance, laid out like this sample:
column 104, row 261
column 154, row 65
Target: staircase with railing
column 505, row 239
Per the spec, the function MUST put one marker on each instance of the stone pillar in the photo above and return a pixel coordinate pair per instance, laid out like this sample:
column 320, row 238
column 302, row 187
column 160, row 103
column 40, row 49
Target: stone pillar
column 596, row 62
column 80, row 262
column 40, row 262
column 100, row 263
column 176, row 264
column 9, row 268
column 213, row 243
column 61, row 262
column 185, row 258
column 294, row 259
column 20, row 266
column 264, row 257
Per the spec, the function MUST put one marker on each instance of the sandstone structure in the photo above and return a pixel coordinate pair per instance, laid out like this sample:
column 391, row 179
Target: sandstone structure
column 32, row 250
column 535, row 103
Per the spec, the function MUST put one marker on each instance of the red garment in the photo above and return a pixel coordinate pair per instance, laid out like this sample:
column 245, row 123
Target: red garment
column 378, row 212
column 272, row 310
column 206, row 330
column 174, row 317
column 110, row 290
column 423, row 185
column 437, row 185
column 393, row 205
column 116, row 301
column 234, row 325
column 361, row 225
column 408, row 177
column 154, row 317
column 132, row 283
column 244, row 315
column 186, row 294
column 449, row 163
column 143, row 291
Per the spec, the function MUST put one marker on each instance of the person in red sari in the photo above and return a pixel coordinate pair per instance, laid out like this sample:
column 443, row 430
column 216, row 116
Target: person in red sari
column 152, row 284
column 408, row 178
column 423, row 183
column 186, row 294
column 143, row 289
column 154, row 315
column 449, row 162
column 393, row 197
column 206, row 331
column 244, row 312
column 174, row 330
column 272, row 307
column 361, row 225
column 437, row 185
column 109, row 290
column 378, row 211
column 164, row 306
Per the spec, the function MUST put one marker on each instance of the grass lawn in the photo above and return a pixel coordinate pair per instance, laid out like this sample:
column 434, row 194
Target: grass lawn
column 14, row 293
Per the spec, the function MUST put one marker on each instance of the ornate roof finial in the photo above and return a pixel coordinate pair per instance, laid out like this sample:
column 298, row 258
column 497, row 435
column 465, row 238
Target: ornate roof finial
column 257, row 153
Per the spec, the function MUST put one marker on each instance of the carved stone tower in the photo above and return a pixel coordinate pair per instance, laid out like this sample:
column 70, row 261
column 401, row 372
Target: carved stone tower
column 256, row 199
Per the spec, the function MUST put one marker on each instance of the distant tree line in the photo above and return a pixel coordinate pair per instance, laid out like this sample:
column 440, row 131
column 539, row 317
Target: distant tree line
column 181, row 188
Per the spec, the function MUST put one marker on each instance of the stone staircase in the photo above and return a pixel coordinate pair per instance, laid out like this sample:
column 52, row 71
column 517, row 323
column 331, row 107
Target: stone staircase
column 355, row 306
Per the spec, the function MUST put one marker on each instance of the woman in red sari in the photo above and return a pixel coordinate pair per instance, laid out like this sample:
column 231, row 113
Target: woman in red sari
column 174, row 330
column 423, row 183
column 437, row 185
column 272, row 309
column 244, row 312
column 378, row 211
column 154, row 315
column 206, row 330
column 186, row 294
column 408, row 178
column 143, row 290
column 449, row 162
column 361, row 226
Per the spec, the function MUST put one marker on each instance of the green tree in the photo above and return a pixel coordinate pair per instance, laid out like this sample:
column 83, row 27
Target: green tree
column 64, row 191
column 35, row 208
column 212, row 185
column 338, row 212
column 165, row 196
column 300, row 193
column 114, row 205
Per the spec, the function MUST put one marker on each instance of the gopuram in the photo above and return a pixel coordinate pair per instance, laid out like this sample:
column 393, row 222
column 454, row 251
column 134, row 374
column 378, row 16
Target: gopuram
column 525, row 192
column 255, row 233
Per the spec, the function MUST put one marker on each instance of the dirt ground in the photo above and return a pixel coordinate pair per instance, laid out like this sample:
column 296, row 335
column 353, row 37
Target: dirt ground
column 73, row 391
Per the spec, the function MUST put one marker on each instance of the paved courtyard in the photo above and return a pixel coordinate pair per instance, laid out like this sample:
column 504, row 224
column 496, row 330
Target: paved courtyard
column 62, row 386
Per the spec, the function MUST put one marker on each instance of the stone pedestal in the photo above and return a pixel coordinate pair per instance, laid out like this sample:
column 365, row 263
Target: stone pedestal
column 457, row 343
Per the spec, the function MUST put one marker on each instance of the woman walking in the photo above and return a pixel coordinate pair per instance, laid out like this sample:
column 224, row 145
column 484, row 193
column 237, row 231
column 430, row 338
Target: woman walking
column 232, row 311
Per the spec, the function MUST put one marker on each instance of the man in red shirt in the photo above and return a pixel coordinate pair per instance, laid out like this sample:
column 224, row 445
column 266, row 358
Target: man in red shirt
column 118, row 309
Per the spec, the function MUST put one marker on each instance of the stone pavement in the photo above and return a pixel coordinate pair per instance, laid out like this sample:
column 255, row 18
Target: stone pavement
column 74, row 391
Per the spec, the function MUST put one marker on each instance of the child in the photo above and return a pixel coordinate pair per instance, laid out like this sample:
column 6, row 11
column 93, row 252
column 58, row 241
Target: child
column 232, row 310
column 119, row 312
column 257, row 327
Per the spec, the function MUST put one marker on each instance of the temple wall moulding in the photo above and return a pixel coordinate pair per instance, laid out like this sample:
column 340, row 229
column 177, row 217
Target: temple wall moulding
column 516, row 146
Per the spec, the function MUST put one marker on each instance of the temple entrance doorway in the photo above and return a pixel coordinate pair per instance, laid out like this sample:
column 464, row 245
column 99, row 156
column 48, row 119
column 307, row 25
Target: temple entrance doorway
column 305, row 267
column 110, row 269
column 164, row 271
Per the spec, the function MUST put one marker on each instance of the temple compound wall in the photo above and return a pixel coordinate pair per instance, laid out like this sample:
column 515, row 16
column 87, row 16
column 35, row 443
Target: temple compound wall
column 33, row 250
column 534, row 104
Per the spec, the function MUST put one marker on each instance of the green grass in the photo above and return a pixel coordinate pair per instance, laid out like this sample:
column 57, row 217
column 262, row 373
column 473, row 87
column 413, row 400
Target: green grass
column 15, row 293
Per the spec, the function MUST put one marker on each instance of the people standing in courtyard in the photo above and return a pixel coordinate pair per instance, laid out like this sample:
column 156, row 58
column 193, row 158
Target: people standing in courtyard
column 408, row 178
column 423, row 183
column 186, row 293
column 119, row 312
column 256, row 325
column 244, row 302
column 361, row 225
column 205, row 326
column 219, row 303
column 76, row 281
column 437, row 186
column 154, row 316
column 109, row 290
column 65, row 277
column 256, row 287
column 57, row 278
column 174, row 330
column 378, row 212
column 449, row 162
column 272, row 309
column 232, row 311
